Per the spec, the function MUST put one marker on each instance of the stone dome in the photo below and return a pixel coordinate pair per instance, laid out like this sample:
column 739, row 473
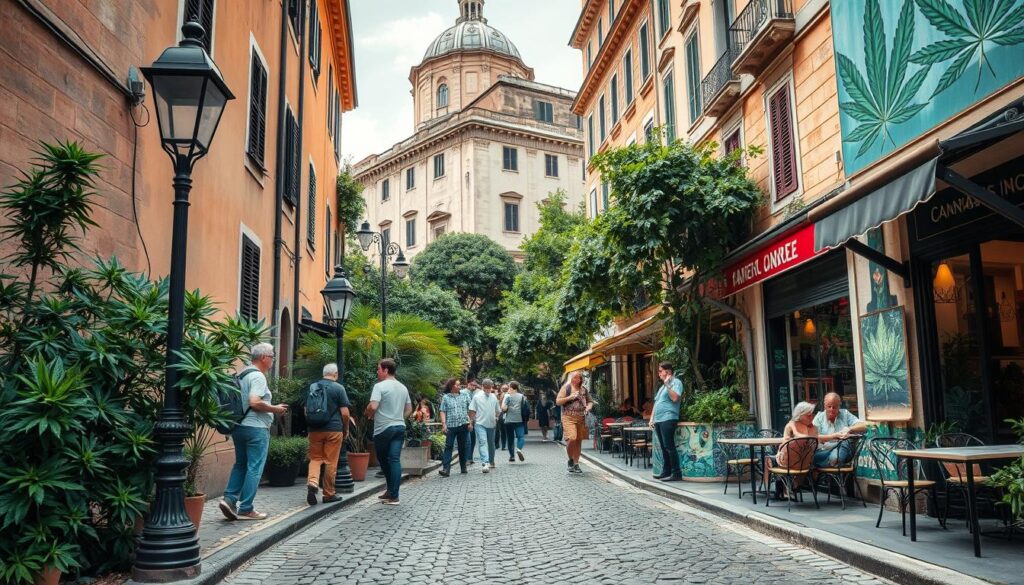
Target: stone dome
column 471, row 33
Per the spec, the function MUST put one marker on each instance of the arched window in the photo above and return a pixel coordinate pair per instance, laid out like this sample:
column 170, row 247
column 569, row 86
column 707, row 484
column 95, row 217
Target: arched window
column 442, row 95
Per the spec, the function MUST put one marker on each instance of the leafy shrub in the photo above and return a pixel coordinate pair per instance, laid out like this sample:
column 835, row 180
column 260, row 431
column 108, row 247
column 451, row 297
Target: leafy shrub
column 715, row 407
column 287, row 451
column 437, row 445
column 1011, row 478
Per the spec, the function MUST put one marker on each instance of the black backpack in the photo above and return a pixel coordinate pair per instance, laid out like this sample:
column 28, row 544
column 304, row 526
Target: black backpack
column 232, row 401
column 318, row 412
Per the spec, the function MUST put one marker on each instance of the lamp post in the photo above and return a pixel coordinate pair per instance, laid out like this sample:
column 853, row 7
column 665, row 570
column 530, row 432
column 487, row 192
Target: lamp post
column 387, row 249
column 190, row 94
column 339, row 296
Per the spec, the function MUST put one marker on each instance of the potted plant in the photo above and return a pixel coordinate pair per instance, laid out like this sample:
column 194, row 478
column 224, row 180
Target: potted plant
column 196, row 446
column 707, row 415
column 284, row 457
column 358, row 457
column 1010, row 479
column 416, row 454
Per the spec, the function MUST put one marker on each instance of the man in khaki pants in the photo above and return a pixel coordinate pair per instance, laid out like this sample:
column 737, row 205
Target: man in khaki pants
column 326, row 407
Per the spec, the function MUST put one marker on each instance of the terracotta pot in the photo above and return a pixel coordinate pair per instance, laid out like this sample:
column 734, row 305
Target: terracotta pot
column 194, row 508
column 357, row 464
column 373, row 456
column 49, row 576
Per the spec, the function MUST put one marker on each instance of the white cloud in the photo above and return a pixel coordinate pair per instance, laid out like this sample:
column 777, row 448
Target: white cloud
column 405, row 39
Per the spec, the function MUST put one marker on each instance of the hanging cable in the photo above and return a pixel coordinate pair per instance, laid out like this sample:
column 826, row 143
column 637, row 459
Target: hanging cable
column 135, row 160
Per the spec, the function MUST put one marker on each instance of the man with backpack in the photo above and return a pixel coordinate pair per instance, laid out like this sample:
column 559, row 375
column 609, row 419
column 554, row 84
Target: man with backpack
column 251, row 435
column 326, row 408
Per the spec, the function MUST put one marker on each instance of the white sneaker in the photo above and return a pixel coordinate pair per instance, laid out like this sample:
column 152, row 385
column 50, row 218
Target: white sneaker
column 519, row 453
column 486, row 469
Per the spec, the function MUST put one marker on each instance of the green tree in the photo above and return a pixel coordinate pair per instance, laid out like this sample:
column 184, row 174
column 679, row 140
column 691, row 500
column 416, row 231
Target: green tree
column 351, row 205
column 678, row 211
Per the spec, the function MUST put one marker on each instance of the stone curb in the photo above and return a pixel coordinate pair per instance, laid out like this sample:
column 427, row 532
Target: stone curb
column 219, row 565
column 878, row 561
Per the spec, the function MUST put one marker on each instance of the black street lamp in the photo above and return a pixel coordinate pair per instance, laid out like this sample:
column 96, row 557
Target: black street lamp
column 387, row 249
column 190, row 95
column 339, row 296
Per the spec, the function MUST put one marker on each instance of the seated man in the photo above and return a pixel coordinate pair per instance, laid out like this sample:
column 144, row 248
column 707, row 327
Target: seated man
column 835, row 423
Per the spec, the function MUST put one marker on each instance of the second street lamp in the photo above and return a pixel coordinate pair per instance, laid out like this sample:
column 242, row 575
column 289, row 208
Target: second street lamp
column 190, row 94
column 339, row 297
column 387, row 249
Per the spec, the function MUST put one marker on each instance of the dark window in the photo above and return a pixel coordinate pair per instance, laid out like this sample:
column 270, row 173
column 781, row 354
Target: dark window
column 693, row 77
column 649, row 130
column 732, row 142
column 292, row 169
column 337, row 125
column 442, row 95
column 613, row 89
column 663, row 23
column 295, row 16
column 579, row 122
column 201, row 11
column 590, row 135
column 257, row 146
column 645, row 52
column 330, row 101
column 385, row 235
column 604, row 196
column 410, row 178
column 780, row 120
column 509, row 158
column 511, row 217
column 311, row 210
column 249, row 282
column 600, row 33
column 590, row 54
column 670, row 109
column 315, row 39
column 627, row 76
column 551, row 165
column 438, row 166
column 385, row 189
column 410, row 232
column 611, row 12
column 328, row 259
column 543, row 111
column 600, row 118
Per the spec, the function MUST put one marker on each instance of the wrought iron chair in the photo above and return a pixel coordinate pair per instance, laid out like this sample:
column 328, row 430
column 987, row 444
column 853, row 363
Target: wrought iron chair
column 737, row 457
column 605, row 434
column 637, row 443
column 796, row 471
column 893, row 473
column 838, row 474
column 955, row 475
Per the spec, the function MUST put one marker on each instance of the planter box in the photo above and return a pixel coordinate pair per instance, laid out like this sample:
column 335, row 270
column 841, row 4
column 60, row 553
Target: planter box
column 415, row 460
column 282, row 476
column 699, row 458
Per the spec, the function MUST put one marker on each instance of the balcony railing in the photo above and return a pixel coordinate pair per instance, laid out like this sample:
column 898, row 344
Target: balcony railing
column 760, row 31
column 721, row 86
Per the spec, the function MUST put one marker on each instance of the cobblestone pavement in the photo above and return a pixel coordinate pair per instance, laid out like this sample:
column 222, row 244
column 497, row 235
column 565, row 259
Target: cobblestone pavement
column 533, row 522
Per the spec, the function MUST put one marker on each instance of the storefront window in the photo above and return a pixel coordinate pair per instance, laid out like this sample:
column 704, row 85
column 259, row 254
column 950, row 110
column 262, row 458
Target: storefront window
column 1003, row 267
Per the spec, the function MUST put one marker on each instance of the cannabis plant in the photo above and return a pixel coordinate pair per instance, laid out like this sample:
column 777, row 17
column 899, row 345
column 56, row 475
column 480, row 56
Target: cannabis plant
column 885, row 363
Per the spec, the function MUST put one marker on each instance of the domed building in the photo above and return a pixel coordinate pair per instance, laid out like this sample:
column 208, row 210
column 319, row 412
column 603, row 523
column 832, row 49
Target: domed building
column 489, row 144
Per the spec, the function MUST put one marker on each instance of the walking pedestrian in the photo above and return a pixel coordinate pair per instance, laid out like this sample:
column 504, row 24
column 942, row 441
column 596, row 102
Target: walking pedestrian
column 483, row 415
column 665, row 419
column 388, row 407
column 327, row 418
column 500, row 430
column 575, row 403
column 513, row 409
column 526, row 415
column 544, row 414
column 455, row 424
column 472, row 386
column 251, row 437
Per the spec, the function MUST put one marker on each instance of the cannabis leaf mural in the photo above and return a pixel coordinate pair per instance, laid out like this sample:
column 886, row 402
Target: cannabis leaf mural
column 985, row 23
column 885, row 96
column 885, row 358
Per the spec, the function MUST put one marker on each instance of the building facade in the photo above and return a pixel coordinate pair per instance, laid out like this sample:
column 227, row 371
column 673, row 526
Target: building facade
column 490, row 144
column 262, row 234
column 886, row 264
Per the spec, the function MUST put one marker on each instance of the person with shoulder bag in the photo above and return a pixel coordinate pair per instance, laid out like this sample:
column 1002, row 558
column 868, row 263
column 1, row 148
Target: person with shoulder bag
column 512, row 406
column 575, row 404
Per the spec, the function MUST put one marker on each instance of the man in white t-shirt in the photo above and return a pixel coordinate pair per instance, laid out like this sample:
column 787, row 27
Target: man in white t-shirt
column 483, row 416
column 389, row 405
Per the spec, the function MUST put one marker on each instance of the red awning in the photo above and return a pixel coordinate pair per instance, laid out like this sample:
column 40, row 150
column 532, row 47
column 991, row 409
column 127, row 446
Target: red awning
column 785, row 252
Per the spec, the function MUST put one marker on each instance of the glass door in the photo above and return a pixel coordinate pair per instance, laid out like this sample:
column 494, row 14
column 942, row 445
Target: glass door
column 1002, row 265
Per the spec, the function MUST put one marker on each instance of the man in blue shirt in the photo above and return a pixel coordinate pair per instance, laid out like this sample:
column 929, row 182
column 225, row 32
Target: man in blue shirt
column 664, row 420
column 834, row 424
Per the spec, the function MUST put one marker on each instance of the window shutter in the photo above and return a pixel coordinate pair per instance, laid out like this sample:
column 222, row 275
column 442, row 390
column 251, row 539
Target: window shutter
column 249, row 283
column 311, row 210
column 292, row 170
column 258, row 111
column 327, row 242
column 202, row 12
column 784, row 170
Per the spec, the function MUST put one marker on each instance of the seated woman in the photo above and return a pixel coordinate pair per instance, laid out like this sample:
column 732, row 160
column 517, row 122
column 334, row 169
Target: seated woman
column 801, row 424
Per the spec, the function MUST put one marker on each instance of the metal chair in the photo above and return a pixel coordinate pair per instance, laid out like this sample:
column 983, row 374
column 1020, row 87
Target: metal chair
column 737, row 457
column 842, row 471
column 605, row 434
column 893, row 473
column 955, row 475
column 635, row 442
column 799, row 463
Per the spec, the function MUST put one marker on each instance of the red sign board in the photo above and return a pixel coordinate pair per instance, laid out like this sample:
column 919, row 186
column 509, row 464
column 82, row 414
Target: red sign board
column 784, row 252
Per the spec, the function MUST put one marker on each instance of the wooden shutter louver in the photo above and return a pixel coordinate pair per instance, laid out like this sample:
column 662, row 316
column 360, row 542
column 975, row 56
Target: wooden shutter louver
column 784, row 169
column 258, row 111
column 292, row 171
column 249, row 296
column 311, row 209
column 202, row 12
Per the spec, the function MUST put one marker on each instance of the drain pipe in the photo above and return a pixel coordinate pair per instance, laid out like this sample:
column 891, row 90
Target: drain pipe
column 282, row 131
column 297, row 315
column 748, row 346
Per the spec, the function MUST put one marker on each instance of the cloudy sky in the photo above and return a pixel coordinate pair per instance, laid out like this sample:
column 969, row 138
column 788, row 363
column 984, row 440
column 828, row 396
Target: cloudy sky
column 392, row 35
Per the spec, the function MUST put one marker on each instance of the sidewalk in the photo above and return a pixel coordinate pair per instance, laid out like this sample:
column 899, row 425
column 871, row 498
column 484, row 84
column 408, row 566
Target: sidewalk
column 938, row 556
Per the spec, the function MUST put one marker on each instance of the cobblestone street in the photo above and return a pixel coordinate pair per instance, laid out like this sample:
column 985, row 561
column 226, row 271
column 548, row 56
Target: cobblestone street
column 534, row 523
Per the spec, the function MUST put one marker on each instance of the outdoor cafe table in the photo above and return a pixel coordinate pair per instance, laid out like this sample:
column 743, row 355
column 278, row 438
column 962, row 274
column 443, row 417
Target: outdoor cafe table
column 967, row 456
column 752, row 442
column 616, row 427
column 633, row 430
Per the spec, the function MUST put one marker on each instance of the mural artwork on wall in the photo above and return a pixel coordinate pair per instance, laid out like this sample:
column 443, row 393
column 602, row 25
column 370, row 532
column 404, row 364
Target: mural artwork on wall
column 883, row 341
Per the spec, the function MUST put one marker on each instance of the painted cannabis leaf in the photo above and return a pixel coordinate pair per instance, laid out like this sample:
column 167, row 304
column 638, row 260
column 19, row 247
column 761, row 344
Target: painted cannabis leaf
column 884, row 97
column 885, row 361
column 987, row 23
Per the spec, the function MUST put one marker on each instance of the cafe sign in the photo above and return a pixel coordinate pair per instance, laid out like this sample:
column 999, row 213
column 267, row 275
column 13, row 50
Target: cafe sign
column 950, row 209
column 785, row 252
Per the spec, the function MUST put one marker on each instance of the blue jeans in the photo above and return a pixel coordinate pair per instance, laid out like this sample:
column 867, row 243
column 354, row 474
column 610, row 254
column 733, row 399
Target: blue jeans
column 518, row 431
column 389, row 453
column 460, row 433
column 485, row 441
column 250, row 454
column 501, row 435
column 830, row 457
column 472, row 446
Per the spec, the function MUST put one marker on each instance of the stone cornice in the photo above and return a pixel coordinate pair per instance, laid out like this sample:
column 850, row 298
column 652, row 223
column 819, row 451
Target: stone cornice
column 608, row 55
column 581, row 31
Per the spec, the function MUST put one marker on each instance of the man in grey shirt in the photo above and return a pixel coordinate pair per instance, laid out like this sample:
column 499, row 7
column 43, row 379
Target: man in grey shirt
column 251, row 437
column 389, row 405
